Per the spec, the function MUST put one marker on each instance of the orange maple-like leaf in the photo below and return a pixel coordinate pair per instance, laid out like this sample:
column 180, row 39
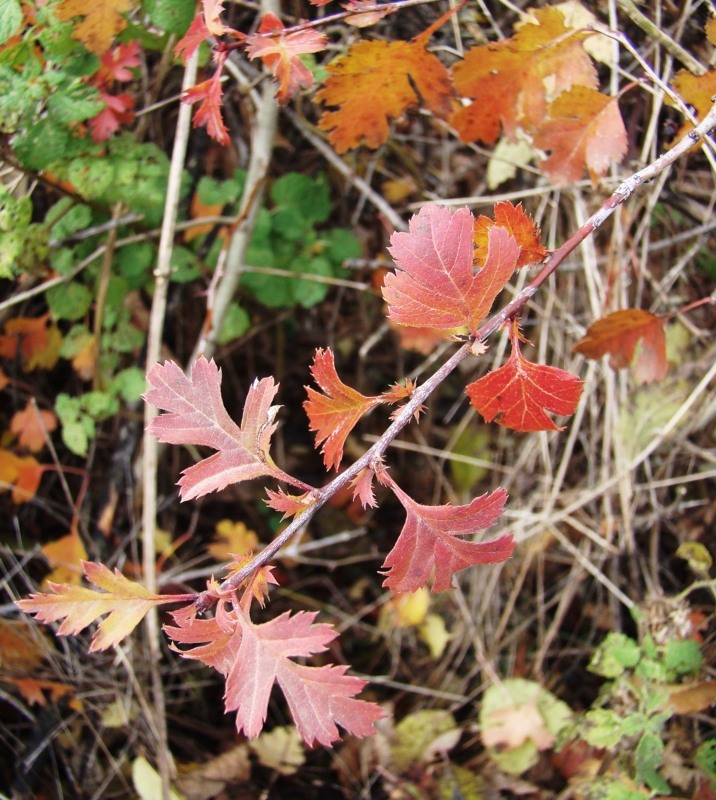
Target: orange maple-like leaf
column 376, row 82
column 124, row 601
column 102, row 21
column 698, row 91
column 334, row 414
column 281, row 53
column 22, row 473
column 507, row 80
column 32, row 690
column 618, row 335
column 519, row 394
column 232, row 537
column 519, row 225
column 31, row 426
column 584, row 129
column 435, row 284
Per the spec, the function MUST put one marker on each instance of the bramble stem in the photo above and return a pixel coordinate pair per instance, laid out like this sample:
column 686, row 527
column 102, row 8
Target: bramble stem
column 206, row 601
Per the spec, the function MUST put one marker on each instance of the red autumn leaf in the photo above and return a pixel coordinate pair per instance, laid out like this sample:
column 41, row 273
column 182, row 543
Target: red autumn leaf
column 124, row 601
column 254, row 657
column 430, row 540
column 197, row 416
column 435, row 284
column 22, row 473
column 506, row 80
column 117, row 111
column 584, row 129
column 376, row 82
column 518, row 223
column 334, row 414
column 209, row 112
column 195, row 35
column 288, row 504
column 362, row 486
column 281, row 53
column 31, row 426
column 518, row 394
column 618, row 335
column 116, row 63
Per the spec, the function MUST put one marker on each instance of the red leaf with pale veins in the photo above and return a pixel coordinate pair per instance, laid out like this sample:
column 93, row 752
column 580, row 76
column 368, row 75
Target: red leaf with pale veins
column 430, row 540
column 209, row 112
column 197, row 416
column 619, row 333
column 281, row 53
column 584, row 129
column 435, row 284
column 518, row 223
column 518, row 394
column 254, row 657
column 334, row 414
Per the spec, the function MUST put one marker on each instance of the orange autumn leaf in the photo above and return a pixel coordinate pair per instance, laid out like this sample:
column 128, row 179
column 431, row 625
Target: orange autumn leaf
column 21, row 473
column 65, row 557
column 696, row 90
column 38, row 339
column 32, row 690
column 376, row 82
column 102, row 21
column 22, row 649
column 335, row 413
column 32, row 427
column 519, row 225
column 618, row 334
column 585, row 129
column 507, row 80
column 125, row 603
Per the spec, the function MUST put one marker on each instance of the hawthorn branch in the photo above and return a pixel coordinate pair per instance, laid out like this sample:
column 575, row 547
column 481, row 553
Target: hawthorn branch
column 624, row 191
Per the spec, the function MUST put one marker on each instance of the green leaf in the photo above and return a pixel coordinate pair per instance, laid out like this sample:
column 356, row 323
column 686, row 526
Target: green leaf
column 648, row 758
column 45, row 143
column 605, row 728
column 682, row 657
column 14, row 212
column 309, row 197
column 340, row 245
column 76, row 340
column 614, row 655
column 70, row 300
column 99, row 405
column 420, row 736
column 70, row 218
column 185, row 266
column 74, row 102
column 214, row 193
column 130, row 384
column 134, row 263
column 705, row 760
column 173, row 16
column 236, row 323
column 698, row 557
column 10, row 19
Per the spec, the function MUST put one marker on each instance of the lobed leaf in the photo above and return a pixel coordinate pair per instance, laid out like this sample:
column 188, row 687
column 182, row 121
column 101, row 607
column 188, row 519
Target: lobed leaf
column 196, row 415
column 125, row 603
column 281, row 53
column 435, row 284
column 518, row 394
column 518, row 223
column 254, row 657
column 334, row 414
column 209, row 112
column 430, row 540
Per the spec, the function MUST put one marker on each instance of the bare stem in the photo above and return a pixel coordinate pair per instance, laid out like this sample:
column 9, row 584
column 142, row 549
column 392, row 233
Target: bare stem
column 207, row 600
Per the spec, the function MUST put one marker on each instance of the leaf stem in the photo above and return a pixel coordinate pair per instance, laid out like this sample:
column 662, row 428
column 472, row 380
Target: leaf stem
column 206, row 600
